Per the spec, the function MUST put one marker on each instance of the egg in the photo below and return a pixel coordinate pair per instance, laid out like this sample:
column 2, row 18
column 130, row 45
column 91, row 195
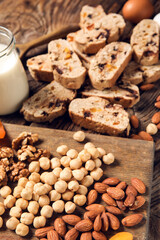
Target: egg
column 137, row 10
column 157, row 19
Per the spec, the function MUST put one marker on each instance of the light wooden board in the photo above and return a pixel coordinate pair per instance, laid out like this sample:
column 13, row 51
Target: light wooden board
column 133, row 159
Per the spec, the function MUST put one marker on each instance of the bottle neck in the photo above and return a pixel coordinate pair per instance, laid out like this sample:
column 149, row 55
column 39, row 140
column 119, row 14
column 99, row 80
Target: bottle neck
column 7, row 42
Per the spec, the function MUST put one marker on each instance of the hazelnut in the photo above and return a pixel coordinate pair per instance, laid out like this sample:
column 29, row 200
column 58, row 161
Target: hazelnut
column 33, row 207
column 42, row 176
column 62, row 150
column 54, row 195
column 151, row 129
column 68, row 195
column 66, row 174
column 15, row 212
column 30, row 185
column 73, row 186
column 22, row 181
column 1, row 222
column 58, row 206
column 35, row 177
column 12, row 223
column 27, row 218
column 84, row 155
column 82, row 190
column 39, row 222
column 44, row 163
column 57, row 171
column 88, row 145
column 50, row 178
column 55, row 162
column 75, row 163
column 72, row 153
column 90, row 165
column 43, row 200
column 78, row 174
column 22, row 203
column 79, row 136
column 34, row 167
column 98, row 163
column 80, row 200
column 22, row 229
column 47, row 211
column 84, row 170
column 97, row 173
column 26, row 193
column 94, row 152
column 87, row 181
column 17, row 191
column 35, row 196
column 2, row 208
column 65, row 161
column 9, row 201
column 70, row 207
column 5, row 191
column 101, row 151
column 60, row 186
column 108, row 159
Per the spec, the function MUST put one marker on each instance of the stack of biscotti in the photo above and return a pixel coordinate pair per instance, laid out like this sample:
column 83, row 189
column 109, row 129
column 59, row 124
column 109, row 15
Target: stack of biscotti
column 48, row 103
column 99, row 115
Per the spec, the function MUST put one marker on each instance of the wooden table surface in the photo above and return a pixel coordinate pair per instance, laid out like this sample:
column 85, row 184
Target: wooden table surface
column 29, row 19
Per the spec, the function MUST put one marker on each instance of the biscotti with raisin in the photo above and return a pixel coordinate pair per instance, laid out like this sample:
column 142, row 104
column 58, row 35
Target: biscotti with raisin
column 124, row 93
column 99, row 115
column 67, row 67
column 48, row 103
column 145, row 42
column 108, row 64
column 136, row 73
column 40, row 68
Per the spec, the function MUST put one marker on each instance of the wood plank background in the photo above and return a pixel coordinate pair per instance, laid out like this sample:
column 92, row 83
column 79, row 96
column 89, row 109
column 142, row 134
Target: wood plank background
column 29, row 19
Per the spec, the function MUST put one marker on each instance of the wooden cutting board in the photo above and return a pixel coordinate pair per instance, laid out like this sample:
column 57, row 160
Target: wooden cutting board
column 134, row 158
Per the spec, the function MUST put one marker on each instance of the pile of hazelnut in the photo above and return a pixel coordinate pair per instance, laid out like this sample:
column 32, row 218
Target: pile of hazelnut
column 54, row 185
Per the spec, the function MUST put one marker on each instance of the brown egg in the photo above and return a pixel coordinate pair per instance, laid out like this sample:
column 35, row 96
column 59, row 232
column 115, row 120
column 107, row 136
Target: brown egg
column 136, row 10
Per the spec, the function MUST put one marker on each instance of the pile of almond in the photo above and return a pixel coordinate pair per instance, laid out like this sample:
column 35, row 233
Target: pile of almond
column 99, row 218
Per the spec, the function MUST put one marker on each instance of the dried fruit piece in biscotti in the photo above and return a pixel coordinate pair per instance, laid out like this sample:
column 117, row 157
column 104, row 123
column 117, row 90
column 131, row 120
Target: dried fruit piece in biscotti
column 67, row 67
column 124, row 93
column 145, row 42
column 48, row 103
column 99, row 115
column 108, row 64
column 40, row 68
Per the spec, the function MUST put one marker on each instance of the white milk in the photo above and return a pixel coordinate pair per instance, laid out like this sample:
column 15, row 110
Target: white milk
column 14, row 87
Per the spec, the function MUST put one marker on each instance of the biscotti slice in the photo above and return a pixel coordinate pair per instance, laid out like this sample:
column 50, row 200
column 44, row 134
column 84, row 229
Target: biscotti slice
column 108, row 64
column 125, row 94
column 145, row 42
column 99, row 115
column 48, row 103
column 85, row 58
column 132, row 73
column 40, row 68
column 136, row 73
column 67, row 67
column 89, row 14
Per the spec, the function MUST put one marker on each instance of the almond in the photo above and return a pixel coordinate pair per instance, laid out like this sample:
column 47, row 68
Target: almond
column 122, row 185
column 42, row 232
column 156, row 118
column 52, row 234
column 131, row 189
column 157, row 105
column 108, row 199
column 71, row 234
column 86, row 236
column 91, row 215
column 92, row 196
column 158, row 98
column 84, row 225
column 139, row 202
column 71, row 219
column 98, row 236
column 60, row 227
column 139, row 185
column 96, row 207
column 113, row 221
column 113, row 210
column 111, row 181
column 134, row 121
column 129, row 201
column 145, row 136
column 158, row 125
column 135, row 136
column 97, row 223
column 146, row 87
column 116, row 193
column 121, row 205
column 132, row 220
column 100, row 187
column 105, row 222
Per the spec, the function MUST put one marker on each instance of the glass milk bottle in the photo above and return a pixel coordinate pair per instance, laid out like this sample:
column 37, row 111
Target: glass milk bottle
column 14, row 88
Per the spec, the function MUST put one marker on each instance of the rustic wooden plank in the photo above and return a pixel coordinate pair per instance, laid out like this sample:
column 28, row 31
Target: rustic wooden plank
column 133, row 158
